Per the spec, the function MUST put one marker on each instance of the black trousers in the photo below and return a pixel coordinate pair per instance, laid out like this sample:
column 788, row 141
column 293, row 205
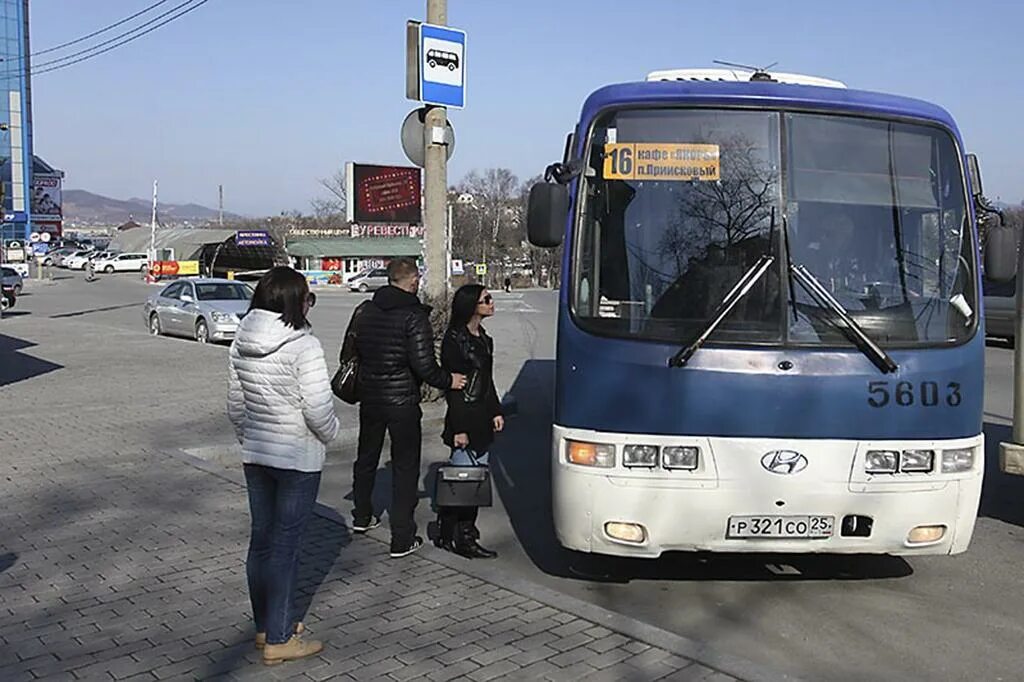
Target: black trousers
column 403, row 425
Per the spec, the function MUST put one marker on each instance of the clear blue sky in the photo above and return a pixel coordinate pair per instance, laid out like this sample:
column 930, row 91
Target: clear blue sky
column 266, row 96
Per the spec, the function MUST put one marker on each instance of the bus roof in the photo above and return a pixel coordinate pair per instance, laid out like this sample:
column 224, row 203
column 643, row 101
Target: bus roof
column 762, row 94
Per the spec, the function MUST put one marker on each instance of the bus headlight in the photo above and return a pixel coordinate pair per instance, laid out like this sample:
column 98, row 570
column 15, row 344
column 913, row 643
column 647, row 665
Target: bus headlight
column 917, row 461
column 680, row 457
column 957, row 460
column 882, row 462
column 590, row 454
column 640, row 456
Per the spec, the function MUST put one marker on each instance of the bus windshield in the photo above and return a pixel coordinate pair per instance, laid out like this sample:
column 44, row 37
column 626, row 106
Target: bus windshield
column 679, row 204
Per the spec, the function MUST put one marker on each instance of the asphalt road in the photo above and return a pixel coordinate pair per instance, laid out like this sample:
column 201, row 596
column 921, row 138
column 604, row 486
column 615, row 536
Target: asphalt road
column 820, row 617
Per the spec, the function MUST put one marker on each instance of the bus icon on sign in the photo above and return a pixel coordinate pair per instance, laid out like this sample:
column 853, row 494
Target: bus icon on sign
column 436, row 58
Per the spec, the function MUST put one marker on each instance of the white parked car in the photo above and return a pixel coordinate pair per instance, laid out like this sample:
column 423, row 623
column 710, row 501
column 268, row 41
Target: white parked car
column 77, row 260
column 73, row 260
column 126, row 262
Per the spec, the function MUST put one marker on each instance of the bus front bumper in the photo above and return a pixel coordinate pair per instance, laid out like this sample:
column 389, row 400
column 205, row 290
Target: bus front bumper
column 659, row 510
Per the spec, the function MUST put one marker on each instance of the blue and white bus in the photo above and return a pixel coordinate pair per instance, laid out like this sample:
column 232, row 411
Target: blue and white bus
column 770, row 335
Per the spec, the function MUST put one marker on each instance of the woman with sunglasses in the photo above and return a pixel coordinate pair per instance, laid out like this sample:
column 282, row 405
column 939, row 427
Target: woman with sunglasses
column 474, row 413
column 280, row 403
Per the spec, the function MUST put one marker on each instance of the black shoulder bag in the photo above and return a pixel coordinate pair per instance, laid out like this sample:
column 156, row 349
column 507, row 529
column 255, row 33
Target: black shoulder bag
column 345, row 383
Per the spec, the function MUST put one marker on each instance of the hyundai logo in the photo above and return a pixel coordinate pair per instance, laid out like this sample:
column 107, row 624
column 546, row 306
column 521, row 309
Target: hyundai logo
column 784, row 462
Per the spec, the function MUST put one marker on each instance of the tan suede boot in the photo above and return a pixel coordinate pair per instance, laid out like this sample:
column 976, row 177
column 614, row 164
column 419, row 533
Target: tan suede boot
column 291, row 650
column 261, row 637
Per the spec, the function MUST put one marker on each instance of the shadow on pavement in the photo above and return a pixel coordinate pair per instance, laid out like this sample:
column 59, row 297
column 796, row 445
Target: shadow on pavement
column 80, row 313
column 16, row 366
column 995, row 342
column 1002, row 494
column 7, row 560
column 522, row 477
column 16, row 313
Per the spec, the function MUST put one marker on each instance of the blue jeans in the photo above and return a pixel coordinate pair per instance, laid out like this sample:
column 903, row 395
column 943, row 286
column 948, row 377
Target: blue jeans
column 280, row 502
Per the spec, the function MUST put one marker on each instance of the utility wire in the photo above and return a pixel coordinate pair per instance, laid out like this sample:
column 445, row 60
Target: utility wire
column 91, row 53
column 102, row 30
column 122, row 35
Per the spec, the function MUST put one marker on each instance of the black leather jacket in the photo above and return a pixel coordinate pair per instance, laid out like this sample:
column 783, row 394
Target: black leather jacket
column 472, row 410
column 396, row 350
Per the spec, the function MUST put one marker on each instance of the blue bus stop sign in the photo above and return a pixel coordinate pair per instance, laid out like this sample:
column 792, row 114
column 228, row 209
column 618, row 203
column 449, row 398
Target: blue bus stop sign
column 442, row 66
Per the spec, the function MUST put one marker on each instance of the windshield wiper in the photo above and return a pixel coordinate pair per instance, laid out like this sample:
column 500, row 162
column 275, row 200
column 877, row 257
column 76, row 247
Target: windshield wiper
column 735, row 295
column 856, row 333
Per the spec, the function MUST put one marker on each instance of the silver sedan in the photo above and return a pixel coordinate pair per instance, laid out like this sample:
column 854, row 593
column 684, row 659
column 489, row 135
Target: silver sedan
column 203, row 309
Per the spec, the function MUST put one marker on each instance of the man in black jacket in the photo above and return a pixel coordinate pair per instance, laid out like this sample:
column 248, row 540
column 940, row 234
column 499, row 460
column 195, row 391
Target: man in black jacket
column 395, row 344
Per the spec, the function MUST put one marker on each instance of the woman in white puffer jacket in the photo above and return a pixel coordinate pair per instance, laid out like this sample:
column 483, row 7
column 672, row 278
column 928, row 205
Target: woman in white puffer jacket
column 280, row 402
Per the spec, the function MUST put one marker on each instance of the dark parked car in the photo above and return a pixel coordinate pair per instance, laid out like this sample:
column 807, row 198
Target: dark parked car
column 1000, row 308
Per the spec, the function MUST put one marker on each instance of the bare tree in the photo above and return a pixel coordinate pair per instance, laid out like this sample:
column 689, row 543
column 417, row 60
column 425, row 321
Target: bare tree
column 332, row 206
column 488, row 222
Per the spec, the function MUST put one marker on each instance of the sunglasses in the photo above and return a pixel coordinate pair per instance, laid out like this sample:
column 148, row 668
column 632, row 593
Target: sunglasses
column 311, row 299
column 486, row 300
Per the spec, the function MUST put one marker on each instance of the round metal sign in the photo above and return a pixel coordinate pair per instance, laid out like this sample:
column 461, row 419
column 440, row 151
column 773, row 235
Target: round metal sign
column 412, row 137
column 44, row 237
column 34, row 237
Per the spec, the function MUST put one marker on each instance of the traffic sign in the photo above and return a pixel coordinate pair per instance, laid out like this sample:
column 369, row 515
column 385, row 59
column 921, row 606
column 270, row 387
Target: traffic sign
column 481, row 269
column 34, row 237
column 412, row 137
column 442, row 66
column 44, row 237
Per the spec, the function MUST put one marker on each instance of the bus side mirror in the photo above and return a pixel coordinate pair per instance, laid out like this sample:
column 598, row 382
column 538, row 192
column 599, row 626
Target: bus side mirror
column 974, row 174
column 1001, row 254
column 546, row 213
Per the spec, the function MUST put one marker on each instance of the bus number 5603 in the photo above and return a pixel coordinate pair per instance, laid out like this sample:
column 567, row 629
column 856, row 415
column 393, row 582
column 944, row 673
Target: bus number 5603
column 908, row 394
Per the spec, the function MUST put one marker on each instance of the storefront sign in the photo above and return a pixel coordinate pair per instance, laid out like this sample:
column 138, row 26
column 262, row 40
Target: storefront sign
column 46, row 197
column 385, row 230
column 175, row 268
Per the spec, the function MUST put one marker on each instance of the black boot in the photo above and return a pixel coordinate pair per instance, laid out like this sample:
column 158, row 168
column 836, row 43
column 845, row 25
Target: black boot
column 466, row 542
column 446, row 524
column 480, row 552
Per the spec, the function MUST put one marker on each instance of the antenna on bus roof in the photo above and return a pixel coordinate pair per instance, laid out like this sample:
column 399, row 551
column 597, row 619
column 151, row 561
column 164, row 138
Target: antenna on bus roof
column 758, row 73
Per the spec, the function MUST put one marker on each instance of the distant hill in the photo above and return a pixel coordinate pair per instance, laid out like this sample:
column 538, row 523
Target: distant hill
column 85, row 207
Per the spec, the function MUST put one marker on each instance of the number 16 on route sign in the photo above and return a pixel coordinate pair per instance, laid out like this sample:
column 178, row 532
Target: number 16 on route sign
column 440, row 73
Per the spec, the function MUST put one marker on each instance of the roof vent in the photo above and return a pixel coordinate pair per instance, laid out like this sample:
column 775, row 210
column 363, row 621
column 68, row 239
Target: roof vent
column 741, row 76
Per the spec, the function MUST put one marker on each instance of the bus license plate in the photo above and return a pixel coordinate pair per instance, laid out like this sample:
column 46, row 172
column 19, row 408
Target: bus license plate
column 781, row 526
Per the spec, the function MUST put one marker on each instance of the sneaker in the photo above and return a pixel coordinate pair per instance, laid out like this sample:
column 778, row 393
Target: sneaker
column 261, row 637
column 417, row 542
column 292, row 650
column 363, row 526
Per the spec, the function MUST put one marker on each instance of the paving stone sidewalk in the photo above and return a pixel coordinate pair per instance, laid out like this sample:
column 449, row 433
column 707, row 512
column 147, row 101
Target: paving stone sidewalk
column 123, row 558
column 134, row 570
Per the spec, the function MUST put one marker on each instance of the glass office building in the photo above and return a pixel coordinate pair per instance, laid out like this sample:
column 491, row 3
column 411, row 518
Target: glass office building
column 15, row 120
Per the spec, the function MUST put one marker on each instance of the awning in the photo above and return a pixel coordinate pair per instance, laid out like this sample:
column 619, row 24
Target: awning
column 356, row 247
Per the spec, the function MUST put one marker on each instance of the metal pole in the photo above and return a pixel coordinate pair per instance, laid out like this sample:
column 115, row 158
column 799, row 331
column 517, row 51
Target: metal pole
column 448, row 252
column 435, row 182
column 1018, row 355
column 220, row 216
column 1011, row 455
column 152, row 227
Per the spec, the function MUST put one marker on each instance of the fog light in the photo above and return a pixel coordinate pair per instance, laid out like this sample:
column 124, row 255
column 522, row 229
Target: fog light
column 882, row 462
column 685, row 457
column 590, row 454
column 917, row 461
column 626, row 532
column 640, row 456
column 923, row 534
column 957, row 460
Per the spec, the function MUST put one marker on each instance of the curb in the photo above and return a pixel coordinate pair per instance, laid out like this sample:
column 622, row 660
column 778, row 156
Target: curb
column 646, row 633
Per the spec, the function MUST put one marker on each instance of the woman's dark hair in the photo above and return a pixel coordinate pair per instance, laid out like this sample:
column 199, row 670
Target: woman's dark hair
column 283, row 290
column 464, row 304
